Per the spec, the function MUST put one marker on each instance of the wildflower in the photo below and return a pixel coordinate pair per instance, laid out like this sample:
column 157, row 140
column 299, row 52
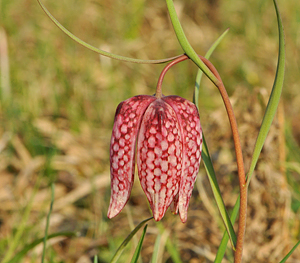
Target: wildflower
column 169, row 140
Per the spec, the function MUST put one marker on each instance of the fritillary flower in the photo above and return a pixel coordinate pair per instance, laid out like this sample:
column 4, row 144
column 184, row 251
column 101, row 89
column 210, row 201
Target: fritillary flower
column 167, row 134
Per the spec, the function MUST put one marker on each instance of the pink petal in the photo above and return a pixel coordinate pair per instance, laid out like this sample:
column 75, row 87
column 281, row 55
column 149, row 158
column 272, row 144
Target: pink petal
column 188, row 118
column 159, row 156
column 122, row 150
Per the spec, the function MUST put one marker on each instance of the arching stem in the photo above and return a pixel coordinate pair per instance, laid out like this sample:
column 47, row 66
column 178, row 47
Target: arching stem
column 237, row 146
column 240, row 163
column 158, row 93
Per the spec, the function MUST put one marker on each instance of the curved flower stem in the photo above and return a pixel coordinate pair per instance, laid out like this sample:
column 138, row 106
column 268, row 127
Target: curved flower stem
column 240, row 164
column 237, row 146
column 158, row 93
column 97, row 50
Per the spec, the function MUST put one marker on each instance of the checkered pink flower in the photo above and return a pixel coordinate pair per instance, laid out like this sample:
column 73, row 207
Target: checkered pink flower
column 168, row 135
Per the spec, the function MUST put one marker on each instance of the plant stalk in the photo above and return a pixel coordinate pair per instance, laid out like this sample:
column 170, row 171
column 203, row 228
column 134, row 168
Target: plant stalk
column 239, row 160
column 158, row 93
column 237, row 146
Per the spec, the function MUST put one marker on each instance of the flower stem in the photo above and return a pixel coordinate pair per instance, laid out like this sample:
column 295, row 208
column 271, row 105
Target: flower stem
column 97, row 50
column 237, row 146
column 158, row 93
column 240, row 163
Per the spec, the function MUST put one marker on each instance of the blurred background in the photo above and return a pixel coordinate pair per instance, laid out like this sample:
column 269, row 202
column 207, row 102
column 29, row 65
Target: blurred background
column 57, row 107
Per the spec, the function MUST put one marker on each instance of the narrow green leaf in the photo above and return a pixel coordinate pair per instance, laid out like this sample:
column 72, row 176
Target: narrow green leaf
column 290, row 253
column 97, row 50
column 173, row 251
column 96, row 259
column 206, row 157
column 21, row 227
column 186, row 46
column 156, row 249
column 268, row 118
column 139, row 247
column 48, row 221
column 217, row 193
column 170, row 246
column 200, row 72
column 273, row 100
column 126, row 241
column 222, row 248
column 17, row 257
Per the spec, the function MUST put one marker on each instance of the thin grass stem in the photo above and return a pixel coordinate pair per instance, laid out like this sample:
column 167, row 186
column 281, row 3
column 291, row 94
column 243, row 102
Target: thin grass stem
column 21, row 227
column 48, row 221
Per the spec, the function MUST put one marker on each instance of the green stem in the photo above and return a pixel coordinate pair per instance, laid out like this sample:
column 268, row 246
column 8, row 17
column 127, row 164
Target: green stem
column 186, row 46
column 97, row 50
column 273, row 100
column 48, row 221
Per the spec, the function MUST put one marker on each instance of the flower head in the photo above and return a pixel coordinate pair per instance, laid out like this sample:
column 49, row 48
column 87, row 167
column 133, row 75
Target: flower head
column 168, row 135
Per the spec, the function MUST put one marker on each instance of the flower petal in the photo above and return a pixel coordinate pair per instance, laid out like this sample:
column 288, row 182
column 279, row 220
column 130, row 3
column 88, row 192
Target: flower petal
column 189, row 122
column 122, row 150
column 159, row 156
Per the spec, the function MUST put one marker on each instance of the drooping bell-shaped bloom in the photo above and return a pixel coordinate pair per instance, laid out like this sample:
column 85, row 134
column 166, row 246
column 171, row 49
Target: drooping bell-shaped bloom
column 168, row 136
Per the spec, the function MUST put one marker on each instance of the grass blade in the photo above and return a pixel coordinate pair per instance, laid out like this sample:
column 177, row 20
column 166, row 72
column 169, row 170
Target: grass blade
column 290, row 253
column 17, row 237
column 154, row 258
column 97, row 50
column 173, row 251
column 217, row 194
column 273, row 100
column 171, row 248
column 17, row 257
column 159, row 247
column 222, row 248
column 48, row 221
column 139, row 247
column 126, row 241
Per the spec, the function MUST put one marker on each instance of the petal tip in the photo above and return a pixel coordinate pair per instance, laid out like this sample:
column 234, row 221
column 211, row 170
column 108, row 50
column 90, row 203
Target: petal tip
column 116, row 205
column 109, row 215
column 158, row 212
column 157, row 217
column 112, row 212
column 183, row 216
